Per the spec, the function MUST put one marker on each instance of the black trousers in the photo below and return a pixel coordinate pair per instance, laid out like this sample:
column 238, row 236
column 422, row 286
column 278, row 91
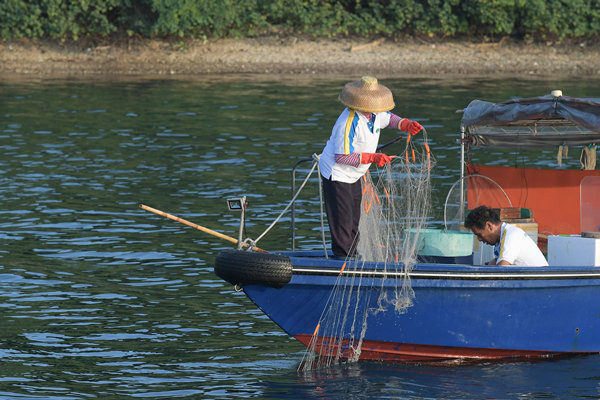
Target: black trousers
column 342, row 203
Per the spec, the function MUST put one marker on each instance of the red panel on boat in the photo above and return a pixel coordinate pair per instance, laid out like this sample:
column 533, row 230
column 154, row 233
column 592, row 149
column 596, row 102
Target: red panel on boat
column 552, row 195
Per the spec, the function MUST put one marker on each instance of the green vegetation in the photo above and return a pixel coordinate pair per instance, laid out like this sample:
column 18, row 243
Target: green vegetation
column 75, row 19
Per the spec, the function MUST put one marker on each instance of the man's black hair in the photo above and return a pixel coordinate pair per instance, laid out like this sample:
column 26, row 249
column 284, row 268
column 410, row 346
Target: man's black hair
column 480, row 215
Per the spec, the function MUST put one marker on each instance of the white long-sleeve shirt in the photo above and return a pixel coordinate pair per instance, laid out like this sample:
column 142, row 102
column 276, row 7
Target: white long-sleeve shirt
column 353, row 132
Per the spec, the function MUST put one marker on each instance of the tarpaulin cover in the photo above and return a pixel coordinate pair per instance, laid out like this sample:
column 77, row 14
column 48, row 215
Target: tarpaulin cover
column 537, row 121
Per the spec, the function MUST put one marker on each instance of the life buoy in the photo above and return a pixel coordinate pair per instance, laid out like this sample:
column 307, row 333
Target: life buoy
column 244, row 267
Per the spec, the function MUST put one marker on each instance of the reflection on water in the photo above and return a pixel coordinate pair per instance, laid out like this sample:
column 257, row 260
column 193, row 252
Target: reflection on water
column 101, row 299
column 541, row 379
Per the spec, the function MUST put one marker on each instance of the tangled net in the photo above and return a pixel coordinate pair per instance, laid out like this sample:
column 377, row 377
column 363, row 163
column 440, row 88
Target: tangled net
column 395, row 206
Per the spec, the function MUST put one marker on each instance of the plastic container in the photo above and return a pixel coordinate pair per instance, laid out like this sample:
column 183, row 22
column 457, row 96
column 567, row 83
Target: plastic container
column 440, row 242
column 573, row 250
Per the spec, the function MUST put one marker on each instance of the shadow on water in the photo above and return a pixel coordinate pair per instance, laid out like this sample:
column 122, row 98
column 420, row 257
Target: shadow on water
column 99, row 299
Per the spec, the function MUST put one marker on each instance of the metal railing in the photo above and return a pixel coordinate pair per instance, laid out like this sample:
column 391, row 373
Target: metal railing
column 293, row 209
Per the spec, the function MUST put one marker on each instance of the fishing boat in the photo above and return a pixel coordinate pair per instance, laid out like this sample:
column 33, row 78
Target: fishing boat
column 462, row 309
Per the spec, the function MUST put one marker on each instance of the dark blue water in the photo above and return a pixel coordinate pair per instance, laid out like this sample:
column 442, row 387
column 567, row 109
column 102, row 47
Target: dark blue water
column 100, row 299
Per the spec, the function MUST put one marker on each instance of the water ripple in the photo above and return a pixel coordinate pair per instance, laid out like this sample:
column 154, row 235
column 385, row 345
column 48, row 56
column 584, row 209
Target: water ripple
column 100, row 299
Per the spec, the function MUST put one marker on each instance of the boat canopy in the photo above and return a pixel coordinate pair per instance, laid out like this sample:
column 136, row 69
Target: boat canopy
column 533, row 122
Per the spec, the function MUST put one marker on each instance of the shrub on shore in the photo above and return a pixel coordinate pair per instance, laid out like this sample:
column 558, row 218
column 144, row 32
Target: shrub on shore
column 76, row 19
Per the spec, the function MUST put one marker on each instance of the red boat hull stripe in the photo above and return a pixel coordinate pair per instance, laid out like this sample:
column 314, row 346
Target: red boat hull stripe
column 386, row 351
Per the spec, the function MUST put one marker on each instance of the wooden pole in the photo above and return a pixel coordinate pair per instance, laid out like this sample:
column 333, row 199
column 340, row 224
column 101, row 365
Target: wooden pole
column 199, row 227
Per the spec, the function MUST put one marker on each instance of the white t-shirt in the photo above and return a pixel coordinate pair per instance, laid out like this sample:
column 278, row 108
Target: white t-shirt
column 517, row 247
column 352, row 133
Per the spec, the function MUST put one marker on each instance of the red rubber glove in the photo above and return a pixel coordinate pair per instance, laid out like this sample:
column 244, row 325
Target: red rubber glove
column 379, row 158
column 412, row 127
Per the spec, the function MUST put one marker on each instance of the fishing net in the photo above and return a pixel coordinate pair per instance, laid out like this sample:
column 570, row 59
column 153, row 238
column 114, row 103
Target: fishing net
column 396, row 203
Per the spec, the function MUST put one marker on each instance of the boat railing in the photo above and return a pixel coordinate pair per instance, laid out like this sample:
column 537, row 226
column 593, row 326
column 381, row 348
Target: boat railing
column 293, row 208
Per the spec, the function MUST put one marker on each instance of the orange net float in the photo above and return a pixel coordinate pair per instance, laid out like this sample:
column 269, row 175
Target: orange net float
column 367, row 190
column 368, row 205
column 428, row 151
column 370, row 193
column 316, row 329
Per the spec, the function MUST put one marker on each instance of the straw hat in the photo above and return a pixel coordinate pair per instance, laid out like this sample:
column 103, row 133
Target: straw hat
column 367, row 95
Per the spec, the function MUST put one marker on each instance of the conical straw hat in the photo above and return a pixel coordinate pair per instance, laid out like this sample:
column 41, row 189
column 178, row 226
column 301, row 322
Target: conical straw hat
column 367, row 95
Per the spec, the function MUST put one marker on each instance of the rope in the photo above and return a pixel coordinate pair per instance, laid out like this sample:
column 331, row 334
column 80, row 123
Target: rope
column 249, row 243
column 290, row 203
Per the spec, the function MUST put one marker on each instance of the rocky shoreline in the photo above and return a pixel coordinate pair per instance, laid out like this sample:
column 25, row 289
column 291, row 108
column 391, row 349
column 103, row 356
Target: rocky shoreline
column 292, row 56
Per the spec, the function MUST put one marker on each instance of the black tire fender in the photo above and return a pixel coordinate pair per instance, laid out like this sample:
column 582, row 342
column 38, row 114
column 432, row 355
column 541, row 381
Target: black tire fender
column 244, row 267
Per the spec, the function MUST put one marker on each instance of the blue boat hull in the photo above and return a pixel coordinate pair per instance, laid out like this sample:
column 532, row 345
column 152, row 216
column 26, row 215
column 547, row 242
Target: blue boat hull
column 459, row 311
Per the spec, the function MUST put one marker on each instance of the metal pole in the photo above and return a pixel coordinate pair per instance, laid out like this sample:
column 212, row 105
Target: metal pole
column 293, row 208
column 462, row 172
column 321, row 207
column 242, row 221
column 293, row 218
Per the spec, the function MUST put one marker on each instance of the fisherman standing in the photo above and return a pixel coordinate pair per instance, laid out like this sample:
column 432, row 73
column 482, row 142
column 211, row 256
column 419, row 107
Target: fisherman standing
column 350, row 151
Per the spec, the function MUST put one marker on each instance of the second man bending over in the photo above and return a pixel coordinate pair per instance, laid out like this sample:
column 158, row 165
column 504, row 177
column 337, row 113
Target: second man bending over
column 512, row 246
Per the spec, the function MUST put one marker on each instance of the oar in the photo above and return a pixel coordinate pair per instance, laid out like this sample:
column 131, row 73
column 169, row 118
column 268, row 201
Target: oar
column 199, row 227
